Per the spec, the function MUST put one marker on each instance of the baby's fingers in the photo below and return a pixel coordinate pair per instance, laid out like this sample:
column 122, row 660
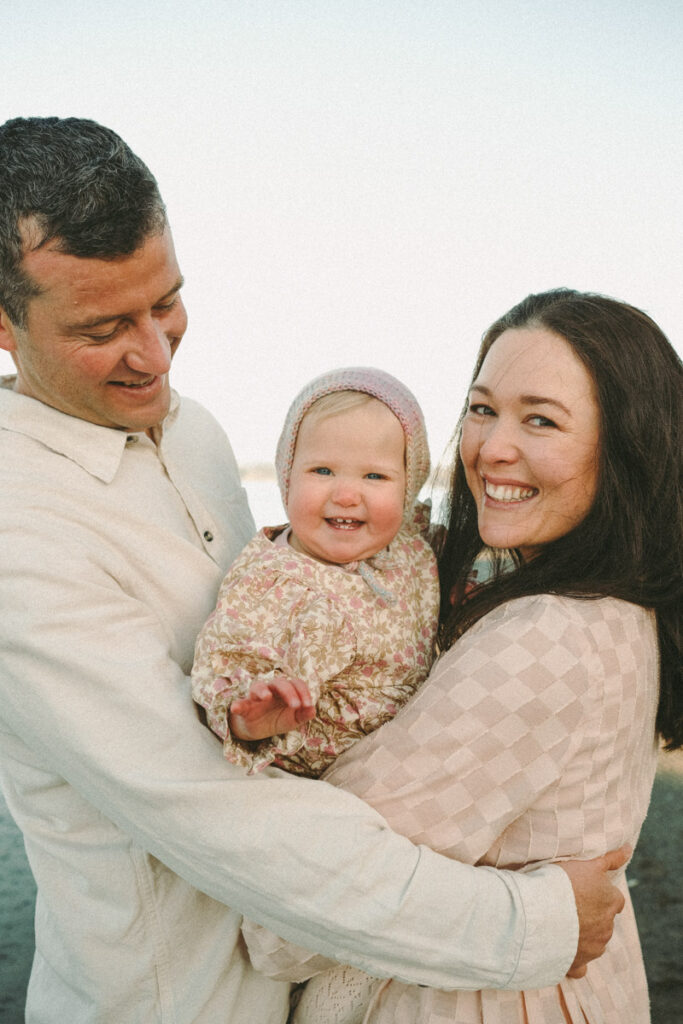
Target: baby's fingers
column 261, row 690
column 243, row 705
column 293, row 692
column 304, row 714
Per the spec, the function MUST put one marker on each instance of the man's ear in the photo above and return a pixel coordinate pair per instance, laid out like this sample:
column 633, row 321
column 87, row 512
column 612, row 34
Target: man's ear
column 8, row 339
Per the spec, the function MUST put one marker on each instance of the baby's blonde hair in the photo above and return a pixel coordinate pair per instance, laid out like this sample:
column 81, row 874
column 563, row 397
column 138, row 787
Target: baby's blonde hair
column 336, row 403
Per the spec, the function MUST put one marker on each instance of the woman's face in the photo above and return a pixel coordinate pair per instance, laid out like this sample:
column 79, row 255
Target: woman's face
column 529, row 440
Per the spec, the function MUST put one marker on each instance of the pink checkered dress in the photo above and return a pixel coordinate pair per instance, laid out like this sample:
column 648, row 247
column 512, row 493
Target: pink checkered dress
column 533, row 740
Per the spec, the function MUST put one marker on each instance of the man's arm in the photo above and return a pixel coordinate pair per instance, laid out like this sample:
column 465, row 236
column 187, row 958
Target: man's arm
column 90, row 685
column 598, row 902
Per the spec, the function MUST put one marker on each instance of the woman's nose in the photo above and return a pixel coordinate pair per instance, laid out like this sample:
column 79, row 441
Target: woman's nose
column 499, row 442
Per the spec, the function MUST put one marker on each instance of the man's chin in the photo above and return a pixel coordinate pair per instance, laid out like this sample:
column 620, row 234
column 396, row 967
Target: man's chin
column 139, row 414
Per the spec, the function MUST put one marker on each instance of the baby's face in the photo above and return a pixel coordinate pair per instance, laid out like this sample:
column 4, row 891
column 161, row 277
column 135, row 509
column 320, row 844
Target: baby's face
column 347, row 485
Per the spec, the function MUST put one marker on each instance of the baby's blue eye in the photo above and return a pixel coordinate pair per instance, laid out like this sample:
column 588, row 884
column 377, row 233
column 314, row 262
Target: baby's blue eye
column 322, row 470
column 374, row 476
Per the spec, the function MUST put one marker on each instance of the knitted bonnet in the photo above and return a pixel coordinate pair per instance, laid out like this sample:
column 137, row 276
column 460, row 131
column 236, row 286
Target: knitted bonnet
column 369, row 381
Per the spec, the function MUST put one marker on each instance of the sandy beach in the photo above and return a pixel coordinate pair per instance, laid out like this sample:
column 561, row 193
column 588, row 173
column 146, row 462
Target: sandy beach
column 654, row 877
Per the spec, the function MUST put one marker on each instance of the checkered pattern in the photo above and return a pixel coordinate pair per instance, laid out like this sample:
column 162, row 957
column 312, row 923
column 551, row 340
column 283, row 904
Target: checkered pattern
column 532, row 740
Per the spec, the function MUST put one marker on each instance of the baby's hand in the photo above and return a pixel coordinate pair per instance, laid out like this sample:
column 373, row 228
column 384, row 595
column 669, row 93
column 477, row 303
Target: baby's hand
column 278, row 706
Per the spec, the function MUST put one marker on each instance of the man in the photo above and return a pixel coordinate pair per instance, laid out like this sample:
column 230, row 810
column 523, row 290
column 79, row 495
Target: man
column 120, row 510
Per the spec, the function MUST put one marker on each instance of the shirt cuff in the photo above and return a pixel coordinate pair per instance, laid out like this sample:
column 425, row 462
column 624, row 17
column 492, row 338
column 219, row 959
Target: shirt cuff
column 552, row 927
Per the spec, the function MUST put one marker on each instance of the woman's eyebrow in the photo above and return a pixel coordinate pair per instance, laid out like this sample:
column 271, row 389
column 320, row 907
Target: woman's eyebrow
column 539, row 400
column 525, row 399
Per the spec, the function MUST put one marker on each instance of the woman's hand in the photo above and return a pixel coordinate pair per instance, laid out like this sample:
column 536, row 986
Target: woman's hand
column 271, row 708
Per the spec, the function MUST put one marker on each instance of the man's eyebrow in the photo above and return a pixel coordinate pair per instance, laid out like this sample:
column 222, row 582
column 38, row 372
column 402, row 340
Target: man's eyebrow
column 97, row 321
column 176, row 288
column 526, row 399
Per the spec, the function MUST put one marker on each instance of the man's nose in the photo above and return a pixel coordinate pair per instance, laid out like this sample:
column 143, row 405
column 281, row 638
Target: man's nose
column 150, row 349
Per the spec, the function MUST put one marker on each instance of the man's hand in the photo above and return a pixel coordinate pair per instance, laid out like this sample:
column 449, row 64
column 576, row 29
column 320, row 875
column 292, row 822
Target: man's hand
column 597, row 903
column 272, row 707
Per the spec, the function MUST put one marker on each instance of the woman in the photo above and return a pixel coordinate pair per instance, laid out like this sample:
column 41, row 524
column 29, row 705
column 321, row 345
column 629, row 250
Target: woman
column 535, row 737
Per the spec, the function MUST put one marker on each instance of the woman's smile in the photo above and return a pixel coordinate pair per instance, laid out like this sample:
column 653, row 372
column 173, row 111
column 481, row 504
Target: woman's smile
column 529, row 440
column 505, row 493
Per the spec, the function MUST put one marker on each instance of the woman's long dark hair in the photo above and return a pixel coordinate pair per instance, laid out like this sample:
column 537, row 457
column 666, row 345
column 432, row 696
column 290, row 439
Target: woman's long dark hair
column 629, row 545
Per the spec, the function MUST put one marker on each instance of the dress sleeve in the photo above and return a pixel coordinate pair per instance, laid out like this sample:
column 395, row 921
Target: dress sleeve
column 265, row 626
column 495, row 726
column 281, row 960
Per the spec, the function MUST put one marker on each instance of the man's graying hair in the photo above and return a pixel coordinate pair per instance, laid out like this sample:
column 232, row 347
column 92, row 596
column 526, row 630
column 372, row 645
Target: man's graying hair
column 74, row 181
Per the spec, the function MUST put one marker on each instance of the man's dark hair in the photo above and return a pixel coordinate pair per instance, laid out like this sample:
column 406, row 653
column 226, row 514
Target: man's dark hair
column 74, row 182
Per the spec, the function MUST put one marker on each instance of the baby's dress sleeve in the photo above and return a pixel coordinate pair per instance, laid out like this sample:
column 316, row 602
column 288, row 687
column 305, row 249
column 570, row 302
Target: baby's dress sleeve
column 264, row 625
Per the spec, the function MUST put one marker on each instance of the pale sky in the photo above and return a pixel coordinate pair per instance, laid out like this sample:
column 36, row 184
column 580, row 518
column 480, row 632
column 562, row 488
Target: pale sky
column 374, row 183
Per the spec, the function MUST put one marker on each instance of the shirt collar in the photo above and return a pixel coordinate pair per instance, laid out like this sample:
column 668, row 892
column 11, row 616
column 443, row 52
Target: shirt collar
column 96, row 449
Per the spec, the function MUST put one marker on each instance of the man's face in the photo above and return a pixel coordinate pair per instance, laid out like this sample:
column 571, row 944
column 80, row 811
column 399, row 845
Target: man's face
column 100, row 336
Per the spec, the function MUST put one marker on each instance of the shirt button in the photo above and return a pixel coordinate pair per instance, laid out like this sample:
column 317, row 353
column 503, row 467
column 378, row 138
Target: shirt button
column 208, row 536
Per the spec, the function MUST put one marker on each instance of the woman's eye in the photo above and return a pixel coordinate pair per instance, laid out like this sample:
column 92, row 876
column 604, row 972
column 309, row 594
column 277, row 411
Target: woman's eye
column 479, row 409
column 541, row 421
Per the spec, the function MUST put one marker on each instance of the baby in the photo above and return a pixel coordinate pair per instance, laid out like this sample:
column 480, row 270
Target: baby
column 325, row 627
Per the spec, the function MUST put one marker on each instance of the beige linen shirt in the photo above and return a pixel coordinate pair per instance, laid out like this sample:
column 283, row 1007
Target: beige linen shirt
column 140, row 834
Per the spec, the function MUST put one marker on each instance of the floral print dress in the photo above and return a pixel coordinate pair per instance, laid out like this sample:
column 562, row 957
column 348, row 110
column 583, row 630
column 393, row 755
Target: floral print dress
column 360, row 636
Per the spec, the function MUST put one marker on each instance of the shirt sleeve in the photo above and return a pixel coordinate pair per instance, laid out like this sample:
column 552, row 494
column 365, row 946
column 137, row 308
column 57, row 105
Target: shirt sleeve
column 90, row 681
